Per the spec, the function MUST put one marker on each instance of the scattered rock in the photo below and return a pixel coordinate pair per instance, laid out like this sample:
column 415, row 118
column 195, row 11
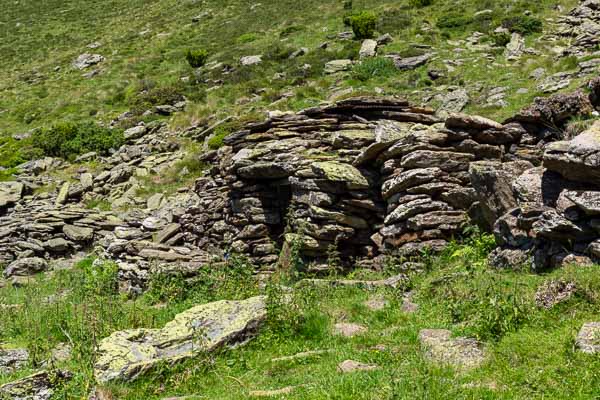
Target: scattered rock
column 588, row 339
column 376, row 303
column 12, row 360
column 251, row 60
column 272, row 393
column 462, row 353
column 349, row 330
column 553, row 292
column 335, row 66
column 39, row 386
column 349, row 366
column 368, row 49
column 86, row 60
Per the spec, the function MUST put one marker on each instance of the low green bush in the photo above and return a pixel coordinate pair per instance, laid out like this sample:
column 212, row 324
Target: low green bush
column 146, row 99
column 67, row 139
column 523, row 24
column 454, row 20
column 196, row 58
column 363, row 24
column 420, row 3
column 374, row 67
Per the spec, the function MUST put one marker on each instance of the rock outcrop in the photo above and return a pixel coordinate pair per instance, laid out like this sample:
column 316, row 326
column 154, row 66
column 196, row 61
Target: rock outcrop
column 125, row 355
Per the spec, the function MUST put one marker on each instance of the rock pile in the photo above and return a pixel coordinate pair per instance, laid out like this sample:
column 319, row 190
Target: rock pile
column 582, row 24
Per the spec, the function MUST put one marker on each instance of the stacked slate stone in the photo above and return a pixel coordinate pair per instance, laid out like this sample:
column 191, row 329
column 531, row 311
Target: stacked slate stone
column 556, row 219
column 547, row 215
column 425, row 180
column 31, row 235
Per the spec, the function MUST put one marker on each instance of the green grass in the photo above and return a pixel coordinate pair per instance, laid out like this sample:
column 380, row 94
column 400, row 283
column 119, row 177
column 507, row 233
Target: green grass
column 532, row 356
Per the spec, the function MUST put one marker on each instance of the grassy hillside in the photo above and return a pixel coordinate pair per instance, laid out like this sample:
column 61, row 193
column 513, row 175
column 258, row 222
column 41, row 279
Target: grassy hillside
column 144, row 43
column 531, row 352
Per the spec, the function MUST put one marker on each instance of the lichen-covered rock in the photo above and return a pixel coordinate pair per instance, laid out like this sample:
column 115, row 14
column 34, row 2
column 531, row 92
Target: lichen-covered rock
column 125, row 355
column 339, row 172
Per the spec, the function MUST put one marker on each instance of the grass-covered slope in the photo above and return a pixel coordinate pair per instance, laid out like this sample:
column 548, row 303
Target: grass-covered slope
column 531, row 352
column 145, row 42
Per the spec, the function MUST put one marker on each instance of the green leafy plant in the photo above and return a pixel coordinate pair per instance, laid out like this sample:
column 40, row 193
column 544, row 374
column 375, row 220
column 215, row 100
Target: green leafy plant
column 373, row 68
column 196, row 58
column 363, row 24
column 501, row 39
column 67, row 139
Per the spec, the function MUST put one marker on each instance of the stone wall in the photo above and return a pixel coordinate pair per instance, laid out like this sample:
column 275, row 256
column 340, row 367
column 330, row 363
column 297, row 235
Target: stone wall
column 363, row 177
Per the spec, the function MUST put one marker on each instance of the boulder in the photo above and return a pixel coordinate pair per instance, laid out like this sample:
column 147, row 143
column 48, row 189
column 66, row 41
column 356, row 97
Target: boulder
column 492, row 181
column 26, row 267
column 516, row 46
column 135, row 133
column 349, row 366
column 125, row 355
column 556, row 110
column 409, row 63
column 63, row 194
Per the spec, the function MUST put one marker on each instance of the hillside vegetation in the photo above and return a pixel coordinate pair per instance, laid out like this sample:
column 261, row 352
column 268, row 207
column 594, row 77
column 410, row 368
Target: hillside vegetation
column 145, row 43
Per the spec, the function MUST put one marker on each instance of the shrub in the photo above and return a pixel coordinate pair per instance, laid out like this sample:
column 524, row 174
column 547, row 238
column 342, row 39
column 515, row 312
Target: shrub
column 455, row 20
column 67, row 140
column 363, row 24
column 156, row 96
column 420, row 3
column 278, row 52
column 524, row 24
column 285, row 32
column 196, row 58
column 216, row 140
column 501, row 39
column 374, row 67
